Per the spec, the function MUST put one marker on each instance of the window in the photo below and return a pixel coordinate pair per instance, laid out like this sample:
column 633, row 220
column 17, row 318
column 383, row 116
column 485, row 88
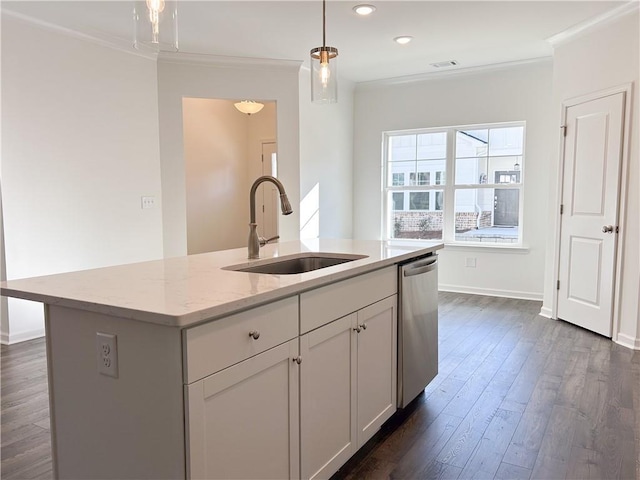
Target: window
column 419, row 201
column 480, row 201
column 420, row 178
column 398, row 200
column 398, row 179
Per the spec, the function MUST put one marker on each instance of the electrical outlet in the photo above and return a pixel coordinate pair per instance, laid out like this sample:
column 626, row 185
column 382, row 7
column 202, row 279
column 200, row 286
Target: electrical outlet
column 148, row 202
column 470, row 262
column 107, row 354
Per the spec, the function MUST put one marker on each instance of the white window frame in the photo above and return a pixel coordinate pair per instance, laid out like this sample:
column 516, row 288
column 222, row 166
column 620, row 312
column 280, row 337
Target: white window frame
column 449, row 188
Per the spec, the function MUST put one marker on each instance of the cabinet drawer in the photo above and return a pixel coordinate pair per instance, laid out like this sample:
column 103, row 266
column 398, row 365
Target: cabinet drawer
column 323, row 305
column 221, row 343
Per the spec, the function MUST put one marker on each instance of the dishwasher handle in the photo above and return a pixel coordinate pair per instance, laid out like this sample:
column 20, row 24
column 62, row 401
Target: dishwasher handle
column 420, row 267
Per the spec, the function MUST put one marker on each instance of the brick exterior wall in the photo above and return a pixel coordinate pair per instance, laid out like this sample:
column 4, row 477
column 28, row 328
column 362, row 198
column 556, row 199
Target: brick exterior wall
column 407, row 222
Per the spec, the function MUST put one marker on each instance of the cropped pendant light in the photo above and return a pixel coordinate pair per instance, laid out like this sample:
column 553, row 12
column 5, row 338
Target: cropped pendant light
column 155, row 25
column 324, row 69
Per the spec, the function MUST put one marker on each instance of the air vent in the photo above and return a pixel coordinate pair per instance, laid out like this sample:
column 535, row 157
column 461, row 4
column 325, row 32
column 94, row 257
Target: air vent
column 448, row 63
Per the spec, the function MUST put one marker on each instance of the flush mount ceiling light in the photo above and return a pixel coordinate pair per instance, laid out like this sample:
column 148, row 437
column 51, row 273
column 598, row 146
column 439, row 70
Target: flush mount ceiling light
column 324, row 77
column 364, row 9
column 249, row 106
column 403, row 40
column 155, row 25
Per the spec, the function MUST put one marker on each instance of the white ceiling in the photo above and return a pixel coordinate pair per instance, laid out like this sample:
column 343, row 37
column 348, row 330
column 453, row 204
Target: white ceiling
column 474, row 33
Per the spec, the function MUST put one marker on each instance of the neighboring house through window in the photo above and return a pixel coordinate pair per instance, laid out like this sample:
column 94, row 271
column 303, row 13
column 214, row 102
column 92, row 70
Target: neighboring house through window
column 481, row 201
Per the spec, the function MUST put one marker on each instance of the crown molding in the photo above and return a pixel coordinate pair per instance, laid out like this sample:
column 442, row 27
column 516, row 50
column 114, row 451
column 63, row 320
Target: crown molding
column 186, row 58
column 593, row 23
column 427, row 76
column 164, row 57
column 96, row 39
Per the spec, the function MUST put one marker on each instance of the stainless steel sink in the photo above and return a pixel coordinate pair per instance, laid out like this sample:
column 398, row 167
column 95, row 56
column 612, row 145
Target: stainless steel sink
column 298, row 263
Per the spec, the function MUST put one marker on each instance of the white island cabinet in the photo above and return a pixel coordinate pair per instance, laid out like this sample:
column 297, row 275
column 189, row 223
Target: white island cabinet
column 242, row 420
column 348, row 370
column 180, row 368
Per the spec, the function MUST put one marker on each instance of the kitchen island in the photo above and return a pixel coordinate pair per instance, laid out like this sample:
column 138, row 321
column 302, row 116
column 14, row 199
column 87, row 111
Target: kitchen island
column 183, row 368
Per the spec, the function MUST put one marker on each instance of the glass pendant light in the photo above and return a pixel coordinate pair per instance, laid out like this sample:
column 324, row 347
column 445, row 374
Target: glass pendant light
column 324, row 73
column 155, row 25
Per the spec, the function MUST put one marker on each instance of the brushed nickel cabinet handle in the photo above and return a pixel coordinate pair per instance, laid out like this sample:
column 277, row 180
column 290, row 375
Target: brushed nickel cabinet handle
column 254, row 334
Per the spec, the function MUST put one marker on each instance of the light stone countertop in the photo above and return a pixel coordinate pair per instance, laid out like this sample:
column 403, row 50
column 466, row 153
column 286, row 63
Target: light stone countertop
column 184, row 291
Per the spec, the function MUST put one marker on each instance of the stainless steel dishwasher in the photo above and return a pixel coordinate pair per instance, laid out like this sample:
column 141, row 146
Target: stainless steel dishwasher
column 417, row 327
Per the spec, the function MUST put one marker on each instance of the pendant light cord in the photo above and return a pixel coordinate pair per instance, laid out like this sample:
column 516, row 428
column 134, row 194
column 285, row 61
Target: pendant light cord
column 324, row 21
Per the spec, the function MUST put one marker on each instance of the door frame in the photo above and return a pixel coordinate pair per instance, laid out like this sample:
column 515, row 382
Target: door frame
column 626, row 89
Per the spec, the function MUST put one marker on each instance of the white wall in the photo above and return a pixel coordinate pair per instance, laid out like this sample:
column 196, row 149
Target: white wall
column 223, row 150
column 604, row 57
column 79, row 149
column 4, row 305
column 497, row 95
column 216, row 170
column 326, row 163
column 199, row 76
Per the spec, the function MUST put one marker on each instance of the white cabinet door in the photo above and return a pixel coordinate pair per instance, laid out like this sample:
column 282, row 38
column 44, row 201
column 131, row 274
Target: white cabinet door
column 348, row 386
column 243, row 422
column 327, row 398
column 377, row 360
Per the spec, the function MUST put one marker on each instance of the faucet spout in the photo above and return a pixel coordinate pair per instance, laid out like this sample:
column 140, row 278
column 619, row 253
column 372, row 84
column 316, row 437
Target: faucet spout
column 285, row 206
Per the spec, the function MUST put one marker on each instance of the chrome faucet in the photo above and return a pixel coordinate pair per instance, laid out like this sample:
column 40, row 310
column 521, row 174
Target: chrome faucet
column 256, row 242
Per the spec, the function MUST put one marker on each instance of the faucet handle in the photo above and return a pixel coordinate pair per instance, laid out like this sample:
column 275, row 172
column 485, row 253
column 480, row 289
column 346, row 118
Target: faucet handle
column 263, row 241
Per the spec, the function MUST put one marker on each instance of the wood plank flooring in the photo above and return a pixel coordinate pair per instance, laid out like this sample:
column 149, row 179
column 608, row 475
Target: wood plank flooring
column 518, row 396
column 25, row 436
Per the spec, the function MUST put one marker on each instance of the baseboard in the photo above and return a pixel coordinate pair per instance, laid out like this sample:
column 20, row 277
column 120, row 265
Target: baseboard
column 628, row 341
column 546, row 312
column 490, row 292
column 8, row 339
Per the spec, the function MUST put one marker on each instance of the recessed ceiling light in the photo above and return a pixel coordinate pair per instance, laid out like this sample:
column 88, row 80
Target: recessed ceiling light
column 403, row 40
column 364, row 9
column 448, row 63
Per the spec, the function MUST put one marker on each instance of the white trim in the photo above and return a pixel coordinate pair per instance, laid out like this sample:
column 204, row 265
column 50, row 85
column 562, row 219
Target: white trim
column 545, row 312
column 502, row 247
column 491, row 292
column 593, row 23
column 437, row 75
column 627, row 341
column 8, row 339
column 97, row 39
column 449, row 188
column 185, row 58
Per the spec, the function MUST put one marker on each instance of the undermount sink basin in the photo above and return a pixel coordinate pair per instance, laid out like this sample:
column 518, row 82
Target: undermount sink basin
column 299, row 263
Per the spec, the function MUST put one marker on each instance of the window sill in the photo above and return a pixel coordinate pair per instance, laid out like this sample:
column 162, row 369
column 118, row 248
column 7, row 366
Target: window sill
column 485, row 246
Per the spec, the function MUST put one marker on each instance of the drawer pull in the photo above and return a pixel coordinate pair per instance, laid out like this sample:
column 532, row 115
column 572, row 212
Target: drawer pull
column 298, row 359
column 358, row 329
column 364, row 326
column 254, row 334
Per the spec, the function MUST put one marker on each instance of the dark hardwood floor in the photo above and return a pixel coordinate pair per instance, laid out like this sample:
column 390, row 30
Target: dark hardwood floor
column 25, row 436
column 517, row 396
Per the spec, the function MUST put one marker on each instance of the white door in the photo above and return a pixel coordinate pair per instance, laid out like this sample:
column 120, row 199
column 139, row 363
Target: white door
column 590, row 192
column 268, row 195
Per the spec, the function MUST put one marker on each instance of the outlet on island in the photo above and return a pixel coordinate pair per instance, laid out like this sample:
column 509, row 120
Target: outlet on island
column 107, row 353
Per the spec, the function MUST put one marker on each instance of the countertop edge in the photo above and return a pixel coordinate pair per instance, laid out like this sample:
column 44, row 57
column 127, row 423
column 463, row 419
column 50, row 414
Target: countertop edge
column 216, row 311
